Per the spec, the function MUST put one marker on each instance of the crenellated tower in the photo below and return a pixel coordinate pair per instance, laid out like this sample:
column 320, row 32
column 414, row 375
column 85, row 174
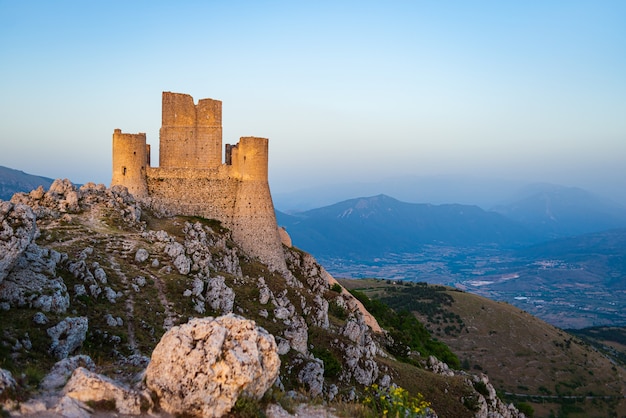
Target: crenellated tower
column 191, row 135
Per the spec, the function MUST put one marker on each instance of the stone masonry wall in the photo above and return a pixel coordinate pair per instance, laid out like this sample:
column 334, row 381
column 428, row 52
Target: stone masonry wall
column 243, row 206
column 209, row 193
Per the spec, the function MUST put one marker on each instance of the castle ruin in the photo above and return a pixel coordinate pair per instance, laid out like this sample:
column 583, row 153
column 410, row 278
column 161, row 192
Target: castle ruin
column 192, row 179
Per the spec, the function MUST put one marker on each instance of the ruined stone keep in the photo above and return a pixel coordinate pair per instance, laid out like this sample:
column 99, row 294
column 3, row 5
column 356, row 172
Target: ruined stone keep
column 192, row 179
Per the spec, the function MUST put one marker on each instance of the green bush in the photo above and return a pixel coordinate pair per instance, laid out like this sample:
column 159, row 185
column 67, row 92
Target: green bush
column 248, row 408
column 332, row 366
column 481, row 388
column 337, row 310
column 526, row 409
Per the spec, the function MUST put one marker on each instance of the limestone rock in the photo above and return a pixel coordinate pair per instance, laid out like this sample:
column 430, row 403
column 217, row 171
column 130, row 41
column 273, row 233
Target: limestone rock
column 312, row 376
column 285, row 239
column 439, row 367
column 67, row 336
column 63, row 369
column 86, row 386
column 141, row 255
column 202, row 367
column 17, row 230
column 7, row 382
column 40, row 318
column 219, row 296
column 68, row 407
column 297, row 334
column 32, row 281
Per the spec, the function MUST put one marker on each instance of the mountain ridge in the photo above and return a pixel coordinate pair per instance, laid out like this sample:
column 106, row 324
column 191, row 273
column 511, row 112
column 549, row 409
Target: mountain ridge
column 374, row 225
column 13, row 181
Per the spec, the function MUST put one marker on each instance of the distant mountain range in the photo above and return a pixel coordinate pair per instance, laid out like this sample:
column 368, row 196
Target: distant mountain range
column 13, row 181
column 374, row 226
column 378, row 225
column 556, row 211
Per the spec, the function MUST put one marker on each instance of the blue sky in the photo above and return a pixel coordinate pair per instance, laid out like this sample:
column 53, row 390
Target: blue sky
column 345, row 91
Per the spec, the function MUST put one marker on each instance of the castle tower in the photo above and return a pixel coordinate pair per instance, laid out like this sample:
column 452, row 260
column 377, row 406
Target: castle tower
column 131, row 156
column 254, row 220
column 191, row 135
column 249, row 158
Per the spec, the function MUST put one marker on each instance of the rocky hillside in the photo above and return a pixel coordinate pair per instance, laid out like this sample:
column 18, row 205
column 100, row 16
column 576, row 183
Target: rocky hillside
column 91, row 281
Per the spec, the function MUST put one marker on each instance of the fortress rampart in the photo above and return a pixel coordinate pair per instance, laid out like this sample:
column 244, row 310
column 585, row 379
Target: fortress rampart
column 192, row 180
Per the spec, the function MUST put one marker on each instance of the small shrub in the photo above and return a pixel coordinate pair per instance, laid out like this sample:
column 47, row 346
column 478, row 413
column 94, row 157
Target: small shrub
column 395, row 402
column 481, row 388
column 247, row 408
column 471, row 402
column 34, row 375
column 337, row 310
column 336, row 288
column 332, row 366
column 526, row 409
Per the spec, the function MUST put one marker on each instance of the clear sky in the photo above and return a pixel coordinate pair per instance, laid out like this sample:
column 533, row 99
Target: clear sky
column 345, row 91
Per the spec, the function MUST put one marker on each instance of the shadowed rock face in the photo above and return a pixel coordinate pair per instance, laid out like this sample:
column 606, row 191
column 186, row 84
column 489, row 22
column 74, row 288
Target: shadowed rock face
column 200, row 368
column 17, row 230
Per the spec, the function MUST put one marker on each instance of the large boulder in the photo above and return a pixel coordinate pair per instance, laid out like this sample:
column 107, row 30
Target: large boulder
column 202, row 367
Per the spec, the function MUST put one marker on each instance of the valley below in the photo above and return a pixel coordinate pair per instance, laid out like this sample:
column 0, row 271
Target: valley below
column 567, row 292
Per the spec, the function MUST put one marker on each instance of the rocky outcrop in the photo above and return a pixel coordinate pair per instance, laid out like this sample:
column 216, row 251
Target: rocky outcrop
column 202, row 367
column 482, row 396
column 359, row 357
column 64, row 199
column 17, row 230
column 32, row 282
column 312, row 377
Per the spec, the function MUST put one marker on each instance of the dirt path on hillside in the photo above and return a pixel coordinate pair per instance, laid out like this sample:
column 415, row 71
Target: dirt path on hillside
column 129, row 305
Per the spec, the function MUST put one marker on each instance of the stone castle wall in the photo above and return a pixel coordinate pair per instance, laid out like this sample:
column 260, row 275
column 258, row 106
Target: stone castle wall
column 192, row 180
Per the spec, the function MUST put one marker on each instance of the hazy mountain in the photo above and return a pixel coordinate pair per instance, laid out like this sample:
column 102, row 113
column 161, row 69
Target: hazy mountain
column 374, row 226
column 557, row 211
column 483, row 192
column 13, row 181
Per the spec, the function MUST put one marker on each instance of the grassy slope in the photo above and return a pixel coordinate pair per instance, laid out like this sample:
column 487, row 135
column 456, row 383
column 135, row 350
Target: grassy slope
column 520, row 353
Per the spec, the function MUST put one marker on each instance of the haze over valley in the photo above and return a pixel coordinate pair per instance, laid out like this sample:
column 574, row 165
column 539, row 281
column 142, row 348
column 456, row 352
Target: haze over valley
column 556, row 252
